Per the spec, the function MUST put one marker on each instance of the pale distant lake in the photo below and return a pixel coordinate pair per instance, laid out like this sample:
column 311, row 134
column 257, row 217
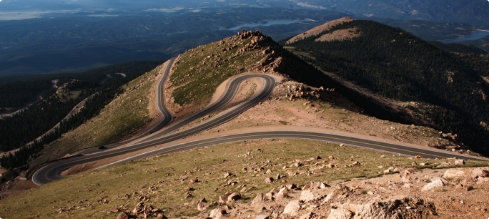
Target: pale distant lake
column 269, row 23
column 474, row 36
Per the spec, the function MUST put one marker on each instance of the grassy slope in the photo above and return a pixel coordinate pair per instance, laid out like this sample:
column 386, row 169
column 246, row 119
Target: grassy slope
column 197, row 79
column 199, row 71
column 122, row 116
column 160, row 178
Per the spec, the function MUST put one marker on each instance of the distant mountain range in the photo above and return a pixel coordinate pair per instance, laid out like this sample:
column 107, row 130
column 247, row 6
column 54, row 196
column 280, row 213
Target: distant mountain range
column 465, row 11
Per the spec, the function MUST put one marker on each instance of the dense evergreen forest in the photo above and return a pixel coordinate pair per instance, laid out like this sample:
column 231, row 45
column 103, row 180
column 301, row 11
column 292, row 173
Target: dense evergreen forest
column 17, row 131
column 395, row 64
column 29, row 91
column 17, row 92
column 459, row 48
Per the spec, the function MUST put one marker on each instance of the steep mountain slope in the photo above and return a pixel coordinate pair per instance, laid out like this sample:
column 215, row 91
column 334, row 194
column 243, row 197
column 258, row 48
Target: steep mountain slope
column 199, row 71
column 424, row 84
column 481, row 43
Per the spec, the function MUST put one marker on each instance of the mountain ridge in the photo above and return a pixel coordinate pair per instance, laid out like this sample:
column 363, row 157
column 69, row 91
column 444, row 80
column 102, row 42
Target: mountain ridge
column 397, row 65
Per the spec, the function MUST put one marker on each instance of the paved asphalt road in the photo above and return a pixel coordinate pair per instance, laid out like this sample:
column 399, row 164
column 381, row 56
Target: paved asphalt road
column 295, row 134
column 52, row 171
column 167, row 116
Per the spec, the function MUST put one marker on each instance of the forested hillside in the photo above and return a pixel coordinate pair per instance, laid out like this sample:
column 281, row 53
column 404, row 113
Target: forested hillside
column 17, row 92
column 447, row 90
column 22, row 128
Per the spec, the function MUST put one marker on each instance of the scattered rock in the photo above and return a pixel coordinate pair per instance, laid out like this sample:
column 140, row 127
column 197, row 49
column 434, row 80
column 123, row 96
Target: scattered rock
column 292, row 208
column 432, row 185
column 202, row 205
column 262, row 216
column 282, row 193
column 291, row 186
column 161, row 216
column 459, row 162
column 193, row 180
column 454, row 174
column 479, row 172
column 217, row 213
column 271, row 195
column 406, row 176
column 224, row 198
column 234, row 196
column 307, row 196
column 389, row 170
column 340, row 213
column 268, row 180
column 309, row 215
column 258, row 199
column 278, row 176
column 396, row 208
column 122, row 215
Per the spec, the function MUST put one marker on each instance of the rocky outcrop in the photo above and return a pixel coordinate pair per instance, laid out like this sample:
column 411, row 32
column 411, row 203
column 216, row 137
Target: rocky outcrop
column 145, row 211
column 406, row 208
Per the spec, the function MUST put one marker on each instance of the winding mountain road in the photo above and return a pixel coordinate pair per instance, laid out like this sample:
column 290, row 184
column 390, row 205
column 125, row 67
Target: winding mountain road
column 158, row 136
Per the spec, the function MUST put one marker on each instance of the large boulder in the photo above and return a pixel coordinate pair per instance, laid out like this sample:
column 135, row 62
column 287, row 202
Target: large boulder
column 233, row 197
column 307, row 196
column 258, row 199
column 433, row 184
column 224, row 198
column 122, row 215
column 480, row 172
column 217, row 213
column 282, row 193
column 292, row 208
column 202, row 205
column 459, row 162
column 454, row 174
column 340, row 213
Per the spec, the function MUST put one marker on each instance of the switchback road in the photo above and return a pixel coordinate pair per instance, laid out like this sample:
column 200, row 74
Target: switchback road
column 52, row 171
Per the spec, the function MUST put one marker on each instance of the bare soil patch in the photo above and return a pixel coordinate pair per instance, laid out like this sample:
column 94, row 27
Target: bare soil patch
column 344, row 34
column 16, row 187
column 79, row 169
column 319, row 29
